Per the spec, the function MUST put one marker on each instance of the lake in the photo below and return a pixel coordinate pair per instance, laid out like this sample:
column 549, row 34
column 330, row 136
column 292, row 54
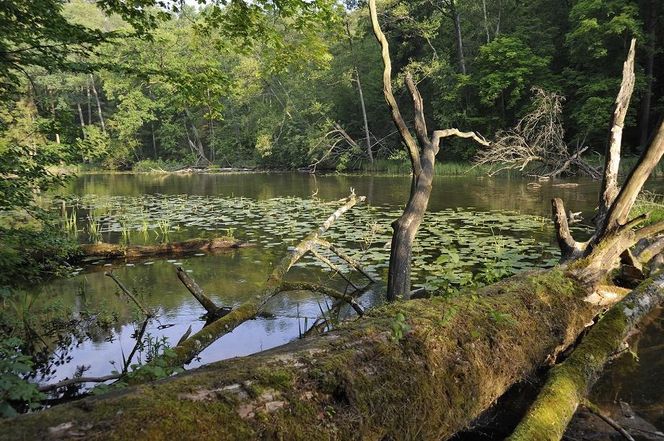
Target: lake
column 477, row 230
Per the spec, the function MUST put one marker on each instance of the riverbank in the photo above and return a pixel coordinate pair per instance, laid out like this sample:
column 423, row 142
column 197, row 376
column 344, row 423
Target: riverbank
column 379, row 167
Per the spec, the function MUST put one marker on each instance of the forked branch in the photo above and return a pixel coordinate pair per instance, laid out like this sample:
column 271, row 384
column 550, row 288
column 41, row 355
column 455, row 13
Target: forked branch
column 406, row 137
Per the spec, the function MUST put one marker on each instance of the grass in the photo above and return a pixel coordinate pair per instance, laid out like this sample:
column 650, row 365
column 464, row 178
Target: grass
column 649, row 202
column 401, row 167
column 626, row 164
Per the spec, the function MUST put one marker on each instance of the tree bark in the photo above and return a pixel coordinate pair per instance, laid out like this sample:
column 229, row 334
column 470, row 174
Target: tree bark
column 197, row 146
column 367, row 134
column 212, row 309
column 459, row 37
column 422, row 159
column 87, row 91
column 569, row 382
column 610, row 179
column 651, row 47
column 486, row 22
column 80, row 116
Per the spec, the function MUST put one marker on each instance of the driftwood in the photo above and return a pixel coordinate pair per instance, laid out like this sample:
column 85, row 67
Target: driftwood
column 77, row 380
column 537, row 144
column 569, row 382
column 117, row 251
column 213, row 311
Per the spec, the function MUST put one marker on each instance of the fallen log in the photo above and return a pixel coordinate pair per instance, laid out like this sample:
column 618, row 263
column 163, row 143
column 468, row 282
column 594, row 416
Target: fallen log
column 118, row 251
column 569, row 382
column 364, row 380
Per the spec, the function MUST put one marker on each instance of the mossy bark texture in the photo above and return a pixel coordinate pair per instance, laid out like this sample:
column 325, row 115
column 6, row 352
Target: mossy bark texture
column 446, row 363
column 569, row 382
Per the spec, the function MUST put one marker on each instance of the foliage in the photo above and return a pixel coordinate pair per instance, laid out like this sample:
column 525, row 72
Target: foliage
column 506, row 70
column 16, row 393
column 399, row 327
column 30, row 254
column 262, row 84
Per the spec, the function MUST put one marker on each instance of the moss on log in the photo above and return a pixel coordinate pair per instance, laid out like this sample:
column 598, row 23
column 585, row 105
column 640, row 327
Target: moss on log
column 363, row 381
column 569, row 382
column 117, row 251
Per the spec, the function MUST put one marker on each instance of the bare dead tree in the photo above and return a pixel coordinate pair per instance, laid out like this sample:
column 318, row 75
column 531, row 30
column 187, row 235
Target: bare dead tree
column 537, row 143
column 422, row 155
column 616, row 232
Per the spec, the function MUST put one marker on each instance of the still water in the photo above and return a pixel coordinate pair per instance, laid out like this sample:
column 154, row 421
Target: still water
column 474, row 225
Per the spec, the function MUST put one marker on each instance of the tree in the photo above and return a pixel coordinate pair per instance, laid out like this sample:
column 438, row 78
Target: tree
column 422, row 159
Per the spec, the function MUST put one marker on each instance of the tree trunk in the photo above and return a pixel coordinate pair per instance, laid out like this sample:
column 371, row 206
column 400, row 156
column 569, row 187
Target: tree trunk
column 80, row 116
column 101, row 115
column 569, row 382
column 459, row 37
column 154, row 140
column 53, row 114
column 365, row 380
column 367, row 134
column 87, row 90
column 405, row 228
column 197, row 145
column 486, row 22
column 644, row 120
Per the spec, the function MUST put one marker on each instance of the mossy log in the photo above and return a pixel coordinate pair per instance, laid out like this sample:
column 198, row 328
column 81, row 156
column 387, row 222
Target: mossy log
column 448, row 362
column 117, row 251
column 569, row 382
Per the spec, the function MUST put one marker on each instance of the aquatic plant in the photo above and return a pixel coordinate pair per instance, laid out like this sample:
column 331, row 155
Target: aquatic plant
column 94, row 229
column 164, row 227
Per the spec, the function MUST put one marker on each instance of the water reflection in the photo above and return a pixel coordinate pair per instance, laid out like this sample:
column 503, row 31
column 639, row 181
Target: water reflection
column 230, row 278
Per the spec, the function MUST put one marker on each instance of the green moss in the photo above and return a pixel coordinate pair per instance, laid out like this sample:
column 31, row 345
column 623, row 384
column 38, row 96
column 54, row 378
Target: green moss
column 568, row 382
column 275, row 378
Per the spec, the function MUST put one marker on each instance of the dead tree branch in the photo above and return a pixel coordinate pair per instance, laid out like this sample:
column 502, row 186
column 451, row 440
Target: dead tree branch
column 569, row 382
column 609, row 189
column 422, row 158
column 129, row 294
column 338, row 295
column 77, row 380
column 536, row 144
column 213, row 311
column 195, row 344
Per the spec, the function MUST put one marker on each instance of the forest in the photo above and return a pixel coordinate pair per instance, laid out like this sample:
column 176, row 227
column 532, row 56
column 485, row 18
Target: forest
column 278, row 93
column 294, row 219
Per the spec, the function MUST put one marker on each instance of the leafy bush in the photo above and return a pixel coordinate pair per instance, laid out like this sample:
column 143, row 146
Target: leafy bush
column 16, row 393
column 150, row 165
column 27, row 255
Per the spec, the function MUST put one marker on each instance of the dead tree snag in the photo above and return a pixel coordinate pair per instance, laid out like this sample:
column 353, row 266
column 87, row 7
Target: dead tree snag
column 422, row 156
